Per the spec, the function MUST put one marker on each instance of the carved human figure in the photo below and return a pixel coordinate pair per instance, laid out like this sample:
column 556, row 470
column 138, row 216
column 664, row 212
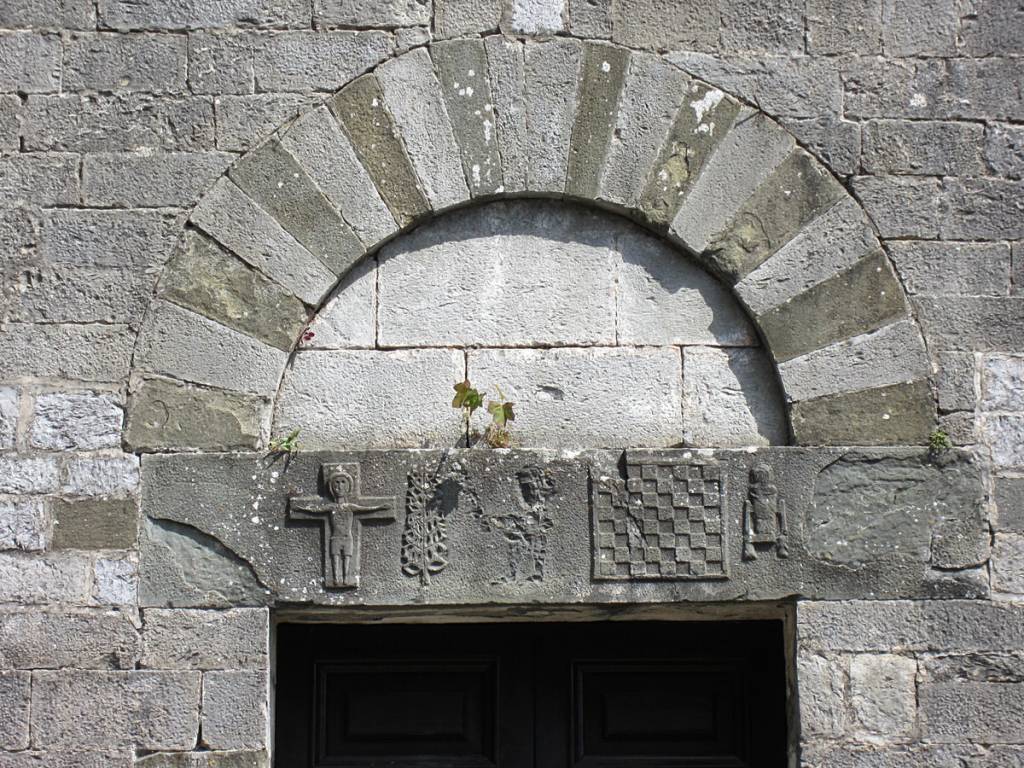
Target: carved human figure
column 764, row 513
column 526, row 527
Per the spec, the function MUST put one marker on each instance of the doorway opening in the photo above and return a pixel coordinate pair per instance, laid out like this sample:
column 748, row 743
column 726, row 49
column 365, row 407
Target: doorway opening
column 532, row 695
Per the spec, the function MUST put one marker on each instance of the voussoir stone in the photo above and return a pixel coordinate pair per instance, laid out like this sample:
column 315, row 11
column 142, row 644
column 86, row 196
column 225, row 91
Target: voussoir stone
column 205, row 639
column 506, row 66
column 552, row 75
column 901, row 414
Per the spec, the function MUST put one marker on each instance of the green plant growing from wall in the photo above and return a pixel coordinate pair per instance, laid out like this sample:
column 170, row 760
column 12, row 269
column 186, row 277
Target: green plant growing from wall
column 289, row 444
column 939, row 443
column 468, row 399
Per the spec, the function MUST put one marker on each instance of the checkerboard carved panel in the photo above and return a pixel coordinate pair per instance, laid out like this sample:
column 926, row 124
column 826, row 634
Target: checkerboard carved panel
column 663, row 521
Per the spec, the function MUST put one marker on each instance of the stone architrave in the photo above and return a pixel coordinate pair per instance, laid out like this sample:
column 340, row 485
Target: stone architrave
column 342, row 517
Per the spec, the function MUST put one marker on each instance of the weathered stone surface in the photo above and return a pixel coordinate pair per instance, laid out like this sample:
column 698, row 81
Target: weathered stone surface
column 506, row 66
column 1004, row 150
column 169, row 414
column 994, row 27
column 602, row 74
column 24, row 524
column 543, row 382
column 922, row 147
column 25, row 474
column 890, row 355
column 147, row 710
column 317, row 142
column 71, row 14
column 83, row 294
column 134, row 239
column 221, row 62
column 115, row 581
column 40, row 579
column 235, row 709
column 125, row 62
column 549, row 275
column 535, row 17
column 100, row 475
column 455, row 18
column 323, row 61
column 836, row 143
column 124, row 179
column 15, row 700
column 244, row 121
column 39, row 179
column 941, row 269
column 969, row 323
column 234, row 220
column 360, row 108
column 1009, row 501
column 590, row 19
column 883, row 695
column 762, row 25
column 194, row 14
column 177, row 342
column 10, row 122
column 368, row 13
column 180, row 639
column 349, row 318
column 30, row 62
column 205, row 760
column 1008, row 563
column 1004, row 434
column 868, row 509
column 731, row 399
column 85, row 638
column 413, row 97
column 960, row 427
column 371, row 398
column 181, row 567
column 852, row 27
column 956, row 712
column 207, row 279
column 919, row 27
column 743, row 161
column 823, row 680
column 462, row 71
column 902, row 414
column 983, row 209
column 658, row 25
column 1002, row 380
column 9, row 416
column 95, row 524
column 81, row 421
column 552, row 75
column 901, row 206
column 860, row 299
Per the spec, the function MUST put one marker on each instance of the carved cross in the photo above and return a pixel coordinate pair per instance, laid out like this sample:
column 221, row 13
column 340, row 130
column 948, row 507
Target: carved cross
column 342, row 516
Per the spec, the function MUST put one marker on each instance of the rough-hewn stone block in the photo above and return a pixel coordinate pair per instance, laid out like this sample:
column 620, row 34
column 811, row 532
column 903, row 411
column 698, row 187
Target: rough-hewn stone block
column 983, row 209
column 919, row 27
column 221, row 62
column 969, row 323
column 823, row 680
column 70, row 14
column 371, row 13
column 731, row 399
column 455, row 18
column 169, row 414
column 835, row 142
column 231, row 759
column 883, row 695
column 85, row 638
column 196, row 14
column 68, row 293
column 95, row 524
column 1009, row 500
column 922, row 147
column 535, row 17
column 9, row 417
column 1008, row 563
column 657, row 25
column 11, row 110
column 941, row 269
column 81, row 421
column 552, row 73
column 1002, row 383
column 179, row 343
column 1004, row 150
column 371, row 399
column 39, row 179
column 590, row 18
column 24, row 524
column 30, row 62
column 16, row 704
column 235, row 709
column 142, row 709
column 116, row 581
column 855, row 26
column 78, row 352
column 963, row 710
column 140, row 240
column 244, row 121
column 902, row 414
column 994, row 27
column 100, row 475
column 762, row 25
column 568, row 398
column 506, row 67
column 180, row 639
column 1004, row 434
column 349, row 318
column 31, row 579
column 150, row 180
column 125, row 62
column 901, row 206
column 322, row 61
column 24, row 474
column 955, row 381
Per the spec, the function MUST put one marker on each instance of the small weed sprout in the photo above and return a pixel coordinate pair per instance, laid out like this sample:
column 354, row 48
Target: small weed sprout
column 939, row 443
column 468, row 399
column 289, row 444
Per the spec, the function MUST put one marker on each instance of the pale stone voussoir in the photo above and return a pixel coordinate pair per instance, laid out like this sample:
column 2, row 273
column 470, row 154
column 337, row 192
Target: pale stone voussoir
column 506, row 67
column 552, row 79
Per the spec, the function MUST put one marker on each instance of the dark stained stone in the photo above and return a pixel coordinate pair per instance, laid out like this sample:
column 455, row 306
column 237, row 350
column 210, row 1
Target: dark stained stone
column 95, row 524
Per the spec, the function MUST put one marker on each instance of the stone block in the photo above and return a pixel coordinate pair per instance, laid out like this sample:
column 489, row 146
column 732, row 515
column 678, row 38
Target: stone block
column 371, row 398
column 147, row 710
column 881, row 358
column 854, row 26
column 220, row 63
column 170, row 414
column 835, row 142
column 80, row 421
column 234, row 220
column 172, row 179
column 116, row 581
column 960, row 427
column 205, row 760
column 209, row 280
column 860, row 299
column 568, row 398
column 349, row 318
column 651, row 96
column 657, row 25
column 85, row 638
column 535, row 17
column 543, row 288
column 9, row 416
column 243, row 122
column 196, row 14
column 1002, row 379
column 87, row 352
column 100, row 475
column 959, row 269
column 316, row 141
column 833, row 242
column 901, row 414
column 179, row 343
column 69, row 14
column 602, row 73
column 796, row 193
column 552, row 75
column 31, row 179
column 955, row 381
column 1009, row 501
column 928, row 148
column 991, row 27
column 506, row 69
column 30, row 62
column 883, row 695
column 24, row 474
column 743, row 161
column 462, row 71
column 901, row 206
column 919, row 27
column 235, row 710
column 10, row 122
column 970, row 323
column 62, row 577
column 456, row 18
column 1008, row 563
column 823, row 680
column 140, row 240
column 125, row 62
column 95, row 524
column 412, row 95
column 590, row 19
column 16, row 703
column 731, row 399
column 1004, row 434
column 120, row 122
column 962, row 711
column 1004, row 150
column 983, row 209
column 664, row 298
column 66, row 293
column 24, row 524
column 368, row 124
column 887, row 755
column 184, row 639
column 320, row 61
column 276, row 182
column 367, row 13
column 762, row 25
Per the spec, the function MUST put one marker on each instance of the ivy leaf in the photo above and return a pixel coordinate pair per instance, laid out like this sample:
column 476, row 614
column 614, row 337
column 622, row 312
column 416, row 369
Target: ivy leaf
column 501, row 413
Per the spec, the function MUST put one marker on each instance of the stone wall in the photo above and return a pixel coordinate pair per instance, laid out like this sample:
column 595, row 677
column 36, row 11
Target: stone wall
column 116, row 117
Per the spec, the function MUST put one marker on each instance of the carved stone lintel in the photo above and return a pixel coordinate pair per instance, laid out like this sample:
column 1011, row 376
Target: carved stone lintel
column 764, row 515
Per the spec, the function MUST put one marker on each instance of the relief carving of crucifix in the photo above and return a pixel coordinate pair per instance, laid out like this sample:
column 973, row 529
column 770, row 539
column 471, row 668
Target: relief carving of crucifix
column 342, row 516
